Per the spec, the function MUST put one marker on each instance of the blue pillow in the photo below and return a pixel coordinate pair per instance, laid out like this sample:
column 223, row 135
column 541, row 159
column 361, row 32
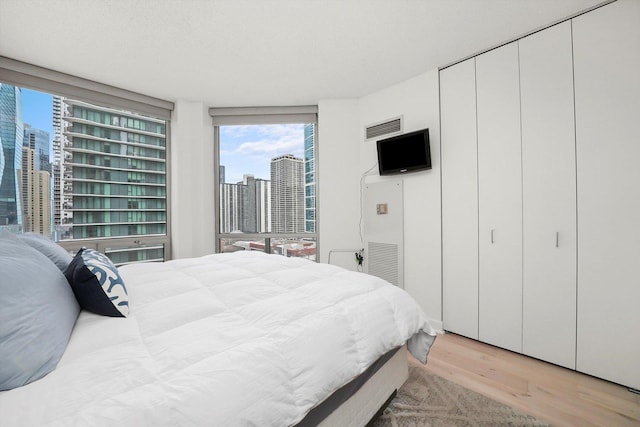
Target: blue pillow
column 37, row 314
column 97, row 284
column 48, row 248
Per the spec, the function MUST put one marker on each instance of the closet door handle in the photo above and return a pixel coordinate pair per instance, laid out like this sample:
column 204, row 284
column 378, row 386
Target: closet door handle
column 492, row 236
column 557, row 239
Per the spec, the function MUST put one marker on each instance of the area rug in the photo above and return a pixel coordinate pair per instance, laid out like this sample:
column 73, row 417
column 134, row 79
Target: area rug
column 427, row 400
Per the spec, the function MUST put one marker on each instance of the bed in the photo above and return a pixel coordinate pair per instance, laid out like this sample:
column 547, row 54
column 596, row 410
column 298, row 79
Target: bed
column 235, row 339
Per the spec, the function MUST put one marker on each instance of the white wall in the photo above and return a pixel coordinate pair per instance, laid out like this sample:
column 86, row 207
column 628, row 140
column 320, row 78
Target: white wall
column 417, row 100
column 338, row 177
column 192, row 204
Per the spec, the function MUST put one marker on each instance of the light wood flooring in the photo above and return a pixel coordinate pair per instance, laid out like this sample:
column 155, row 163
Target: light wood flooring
column 557, row 395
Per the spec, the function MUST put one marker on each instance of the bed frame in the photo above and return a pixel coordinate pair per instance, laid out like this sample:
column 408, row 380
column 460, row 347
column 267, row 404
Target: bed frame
column 362, row 400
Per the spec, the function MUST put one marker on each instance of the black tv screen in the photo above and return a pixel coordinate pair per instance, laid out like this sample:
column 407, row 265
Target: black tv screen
column 404, row 153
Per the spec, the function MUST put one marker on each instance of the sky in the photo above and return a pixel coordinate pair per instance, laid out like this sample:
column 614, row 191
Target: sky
column 37, row 110
column 249, row 149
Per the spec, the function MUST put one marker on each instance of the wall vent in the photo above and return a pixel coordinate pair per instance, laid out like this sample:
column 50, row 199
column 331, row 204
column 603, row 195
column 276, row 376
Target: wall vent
column 383, row 261
column 388, row 127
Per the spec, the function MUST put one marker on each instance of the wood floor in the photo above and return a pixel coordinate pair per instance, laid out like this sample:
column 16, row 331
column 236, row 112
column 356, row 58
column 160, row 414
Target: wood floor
column 559, row 396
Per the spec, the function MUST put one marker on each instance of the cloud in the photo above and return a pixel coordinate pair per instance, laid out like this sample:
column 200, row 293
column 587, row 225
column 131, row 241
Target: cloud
column 262, row 142
column 270, row 148
column 249, row 149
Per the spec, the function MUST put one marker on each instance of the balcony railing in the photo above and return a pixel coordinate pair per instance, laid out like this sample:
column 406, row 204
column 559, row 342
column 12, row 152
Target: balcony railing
column 125, row 250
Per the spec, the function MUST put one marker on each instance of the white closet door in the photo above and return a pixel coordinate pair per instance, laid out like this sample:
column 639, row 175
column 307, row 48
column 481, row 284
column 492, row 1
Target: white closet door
column 549, row 196
column 459, row 199
column 499, row 197
column 607, row 90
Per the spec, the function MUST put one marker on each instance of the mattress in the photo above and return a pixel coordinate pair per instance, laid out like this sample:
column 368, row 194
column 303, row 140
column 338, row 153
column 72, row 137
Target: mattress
column 372, row 395
column 237, row 339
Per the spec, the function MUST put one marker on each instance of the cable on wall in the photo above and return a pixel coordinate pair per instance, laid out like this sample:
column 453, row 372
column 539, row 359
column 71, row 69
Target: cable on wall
column 360, row 254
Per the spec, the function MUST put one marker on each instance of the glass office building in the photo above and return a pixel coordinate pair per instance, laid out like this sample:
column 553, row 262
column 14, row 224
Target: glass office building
column 11, row 136
column 115, row 168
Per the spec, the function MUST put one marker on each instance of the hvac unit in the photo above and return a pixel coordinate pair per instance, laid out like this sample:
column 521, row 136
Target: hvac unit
column 382, row 215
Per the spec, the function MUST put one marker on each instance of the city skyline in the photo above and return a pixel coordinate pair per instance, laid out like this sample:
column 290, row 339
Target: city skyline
column 105, row 179
column 282, row 203
column 88, row 134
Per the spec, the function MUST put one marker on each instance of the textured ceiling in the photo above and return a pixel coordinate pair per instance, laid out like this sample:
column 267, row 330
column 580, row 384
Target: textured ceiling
column 262, row 52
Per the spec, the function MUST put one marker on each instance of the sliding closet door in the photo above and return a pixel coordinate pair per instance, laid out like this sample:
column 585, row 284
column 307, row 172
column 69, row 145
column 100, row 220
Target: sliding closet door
column 459, row 199
column 607, row 89
column 499, row 198
column 549, row 196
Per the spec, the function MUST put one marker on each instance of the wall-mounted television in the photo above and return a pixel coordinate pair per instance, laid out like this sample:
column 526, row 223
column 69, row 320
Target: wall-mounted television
column 408, row 152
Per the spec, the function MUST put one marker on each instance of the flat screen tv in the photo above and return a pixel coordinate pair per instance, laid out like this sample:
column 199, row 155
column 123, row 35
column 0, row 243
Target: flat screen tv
column 404, row 153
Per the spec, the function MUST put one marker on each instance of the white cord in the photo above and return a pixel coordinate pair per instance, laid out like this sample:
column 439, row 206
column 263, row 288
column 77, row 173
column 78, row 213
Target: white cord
column 340, row 250
column 368, row 172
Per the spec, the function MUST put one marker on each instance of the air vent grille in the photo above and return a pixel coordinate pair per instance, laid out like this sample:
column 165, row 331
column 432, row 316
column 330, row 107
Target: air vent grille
column 383, row 261
column 384, row 128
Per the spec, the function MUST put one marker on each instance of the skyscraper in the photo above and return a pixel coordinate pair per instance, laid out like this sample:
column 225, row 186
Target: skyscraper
column 256, row 212
column 38, row 141
column 262, row 194
column 230, row 208
column 56, row 167
column 248, row 203
column 35, row 181
column 115, row 162
column 309, row 178
column 1, row 160
column 222, row 174
column 287, row 194
column 245, row 206
column 35, row 186
column 11, row 135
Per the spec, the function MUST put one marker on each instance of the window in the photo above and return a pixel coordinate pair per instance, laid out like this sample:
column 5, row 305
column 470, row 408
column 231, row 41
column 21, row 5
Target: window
column 83, row 164
column 266, row 180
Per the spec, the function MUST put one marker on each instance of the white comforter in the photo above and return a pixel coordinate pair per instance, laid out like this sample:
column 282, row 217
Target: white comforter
column 243, row 339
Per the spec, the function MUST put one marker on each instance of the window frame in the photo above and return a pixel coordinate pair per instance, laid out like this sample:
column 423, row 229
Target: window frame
column 235, row 116
column 24, row 75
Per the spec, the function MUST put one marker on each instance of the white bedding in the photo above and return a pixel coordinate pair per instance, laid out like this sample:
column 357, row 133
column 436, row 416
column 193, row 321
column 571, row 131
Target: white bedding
column 243, row 339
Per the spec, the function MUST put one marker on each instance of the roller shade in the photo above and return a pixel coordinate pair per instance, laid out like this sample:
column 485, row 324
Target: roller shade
column 43, row 79
column 263, row 115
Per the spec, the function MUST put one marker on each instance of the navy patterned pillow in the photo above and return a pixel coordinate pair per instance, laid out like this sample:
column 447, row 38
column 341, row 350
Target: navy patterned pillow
column 97, row 284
